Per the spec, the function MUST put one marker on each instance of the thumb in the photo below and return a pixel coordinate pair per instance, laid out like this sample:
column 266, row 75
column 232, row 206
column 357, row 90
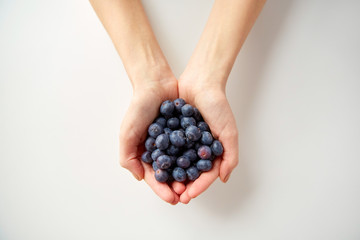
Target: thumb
column 128, row 156
column 230, row 156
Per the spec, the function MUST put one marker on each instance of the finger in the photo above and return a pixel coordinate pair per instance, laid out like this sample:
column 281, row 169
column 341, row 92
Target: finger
column 132, row 134
column 161, row 189
column 178, row 187
column 204, row 181
column 230, row 157
column 177, row 197
column 129, row 155
column 184, row 197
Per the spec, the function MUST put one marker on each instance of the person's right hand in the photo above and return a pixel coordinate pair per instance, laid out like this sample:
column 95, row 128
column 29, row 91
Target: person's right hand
column 143, row 109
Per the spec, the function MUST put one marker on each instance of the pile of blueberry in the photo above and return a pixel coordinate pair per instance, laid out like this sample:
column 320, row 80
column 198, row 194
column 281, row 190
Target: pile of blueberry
column 180, row 145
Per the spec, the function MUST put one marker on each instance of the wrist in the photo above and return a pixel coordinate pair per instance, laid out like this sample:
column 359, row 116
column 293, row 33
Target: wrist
column 146, row 74
column 157, row 77
column 204, row 76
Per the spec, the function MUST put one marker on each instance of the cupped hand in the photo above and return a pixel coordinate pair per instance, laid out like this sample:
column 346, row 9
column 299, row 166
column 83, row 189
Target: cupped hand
column 141, row 113
column 211, row 101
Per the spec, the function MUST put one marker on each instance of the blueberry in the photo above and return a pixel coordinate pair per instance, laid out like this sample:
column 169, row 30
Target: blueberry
column 187, row 110
column 217, row 148
column 146, row 157
column 179, row 174
column 192, row 173
column 197, row 115
column 161, row 175
column 167, row 108
column 155, row 166
column 173, row 150
column 203, row 126
column 157, row 153
column 155, row 130
column 183, row 162
column 150, row 144
column 167, row 131
column 173, row 123
column 177, row 138
column 161, row 121
column 193, row 133
column 162, row 141
column 179, row 103
column 204, row 165
column 187, row 121
column 191, row 154
column 204, row 152
column 163, row 161
column 206, row 138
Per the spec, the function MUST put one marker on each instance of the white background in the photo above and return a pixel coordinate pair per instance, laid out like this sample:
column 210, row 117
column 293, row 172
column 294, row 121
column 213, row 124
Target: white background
column 294, row 90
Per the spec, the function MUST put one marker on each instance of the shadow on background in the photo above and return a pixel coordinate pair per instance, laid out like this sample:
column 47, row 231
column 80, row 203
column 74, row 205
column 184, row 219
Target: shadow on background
column 244, row 82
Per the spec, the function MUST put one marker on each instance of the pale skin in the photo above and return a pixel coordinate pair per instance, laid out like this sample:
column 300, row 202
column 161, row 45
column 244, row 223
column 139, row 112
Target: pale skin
column 202, row 83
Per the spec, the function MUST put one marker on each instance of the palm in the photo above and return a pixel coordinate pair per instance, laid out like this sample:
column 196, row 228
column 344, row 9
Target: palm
column 216, row 111
column 142, row 111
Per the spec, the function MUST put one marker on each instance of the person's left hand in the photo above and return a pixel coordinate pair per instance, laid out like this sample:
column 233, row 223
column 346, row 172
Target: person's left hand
column 212, row 103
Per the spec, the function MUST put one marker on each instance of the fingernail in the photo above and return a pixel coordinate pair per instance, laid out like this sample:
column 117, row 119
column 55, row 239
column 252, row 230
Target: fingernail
column 227, row 178
column 136, row 176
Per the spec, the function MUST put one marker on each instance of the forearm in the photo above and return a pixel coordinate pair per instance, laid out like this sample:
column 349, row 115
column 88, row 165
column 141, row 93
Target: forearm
column 228, row 25
column 129, row 29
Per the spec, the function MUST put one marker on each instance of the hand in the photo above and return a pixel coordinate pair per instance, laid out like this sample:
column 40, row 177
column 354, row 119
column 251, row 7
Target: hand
column 142, row 111
column 211, row 101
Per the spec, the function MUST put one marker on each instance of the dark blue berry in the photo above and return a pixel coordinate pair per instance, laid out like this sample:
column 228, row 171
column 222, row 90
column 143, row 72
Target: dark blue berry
column 179, row 174
column 167, row 131
column 161, row 121
column 197, row 115
column 177, row 138
column 192, row 173
column 173, row 150
column 204, row 165
column 150, row 144
column 163, row 162
column 156, row 153
column 203, row 126
column 179, row 103
column 173, row 123
column 167, row 108
column 183, row 162
column 155, row 166
column 161, row 175
column 206, row 138
column 187, row 121
column 217, row 148
column 204, row 152
column 146, row 157
column 191, row 154
column 187, row 110
column 162, row 141
column 192, row 133
column 155, row 130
